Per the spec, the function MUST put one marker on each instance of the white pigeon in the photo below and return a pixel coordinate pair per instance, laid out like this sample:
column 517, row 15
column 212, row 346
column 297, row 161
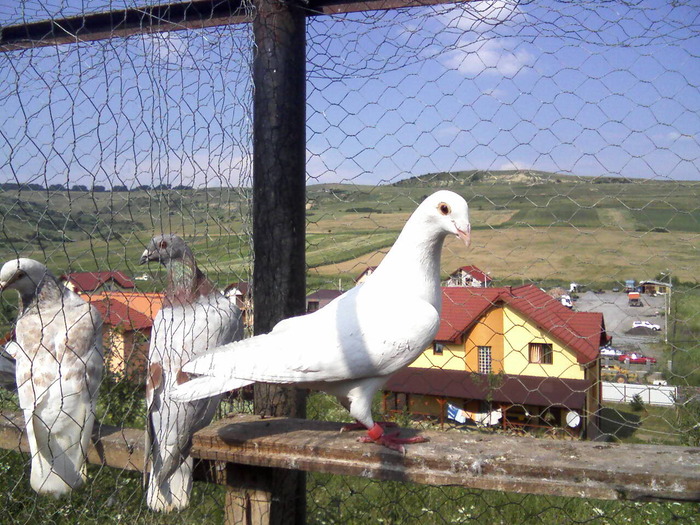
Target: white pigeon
column 58, row 355
column 195, row 318
column 350, row 347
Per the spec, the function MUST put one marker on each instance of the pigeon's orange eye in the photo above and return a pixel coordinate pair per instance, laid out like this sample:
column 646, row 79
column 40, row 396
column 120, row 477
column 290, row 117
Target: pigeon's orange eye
column 163, row 245
column 444, row 208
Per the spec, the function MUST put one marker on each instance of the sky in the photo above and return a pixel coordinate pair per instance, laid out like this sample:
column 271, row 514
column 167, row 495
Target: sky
column 584, row 88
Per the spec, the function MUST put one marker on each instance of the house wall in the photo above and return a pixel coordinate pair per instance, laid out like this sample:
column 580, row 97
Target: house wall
column 488, row 331
column 452, row 358
column 126, row 353
column 114, row 347
column 519, row 333
column 426, row 405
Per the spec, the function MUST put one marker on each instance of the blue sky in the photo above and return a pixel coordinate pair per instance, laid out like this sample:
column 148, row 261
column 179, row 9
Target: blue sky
column 593, row 89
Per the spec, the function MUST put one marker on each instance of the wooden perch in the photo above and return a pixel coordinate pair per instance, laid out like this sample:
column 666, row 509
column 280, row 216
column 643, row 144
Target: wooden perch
column 121, row 448
column 469, row 459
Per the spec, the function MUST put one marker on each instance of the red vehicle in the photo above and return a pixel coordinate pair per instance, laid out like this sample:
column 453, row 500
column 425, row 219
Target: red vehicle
column 636, row 358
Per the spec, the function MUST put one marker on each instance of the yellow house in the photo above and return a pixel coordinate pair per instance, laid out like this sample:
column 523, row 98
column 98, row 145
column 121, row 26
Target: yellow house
column 128, row 319
column 513, row 354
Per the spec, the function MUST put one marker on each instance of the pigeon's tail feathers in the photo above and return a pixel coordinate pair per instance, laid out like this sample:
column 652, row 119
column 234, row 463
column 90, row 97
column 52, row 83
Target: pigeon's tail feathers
column 205, row 386
column 237, row 352
column 58, row 461
column 57, row 476
column 172, row 493
column 47, row 480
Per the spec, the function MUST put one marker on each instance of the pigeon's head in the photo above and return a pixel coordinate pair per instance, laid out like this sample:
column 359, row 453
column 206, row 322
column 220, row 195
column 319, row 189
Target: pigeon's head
column 165, row 248
column 23, row 275
column 448, row 213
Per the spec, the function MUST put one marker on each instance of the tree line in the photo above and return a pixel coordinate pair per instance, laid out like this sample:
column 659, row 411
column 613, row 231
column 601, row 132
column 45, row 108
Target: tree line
column 6, row 186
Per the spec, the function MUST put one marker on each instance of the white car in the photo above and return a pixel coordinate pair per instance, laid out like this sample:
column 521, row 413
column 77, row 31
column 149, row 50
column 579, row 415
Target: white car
column 646, row 324
column 609, row 351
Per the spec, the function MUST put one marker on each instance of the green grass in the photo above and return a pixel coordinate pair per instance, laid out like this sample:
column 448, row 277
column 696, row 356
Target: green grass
column 357, row 501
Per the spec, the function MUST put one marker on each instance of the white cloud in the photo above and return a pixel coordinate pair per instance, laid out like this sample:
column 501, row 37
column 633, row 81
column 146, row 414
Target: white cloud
column 675, row 135
column 329, row 168
column 170, row 48
column 513, row 165
column 493, row 56
column 480, row 16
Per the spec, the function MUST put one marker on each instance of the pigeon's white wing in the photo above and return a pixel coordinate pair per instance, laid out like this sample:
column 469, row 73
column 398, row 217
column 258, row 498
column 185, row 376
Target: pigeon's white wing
column 59, row 371
column 353, row 337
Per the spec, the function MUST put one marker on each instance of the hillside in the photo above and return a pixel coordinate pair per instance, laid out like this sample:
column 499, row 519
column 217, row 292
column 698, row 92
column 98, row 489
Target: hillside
column 528, row 226
column 465, row 178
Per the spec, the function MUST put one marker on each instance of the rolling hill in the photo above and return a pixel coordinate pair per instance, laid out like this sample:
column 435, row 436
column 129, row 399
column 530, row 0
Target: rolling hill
column 529, row 226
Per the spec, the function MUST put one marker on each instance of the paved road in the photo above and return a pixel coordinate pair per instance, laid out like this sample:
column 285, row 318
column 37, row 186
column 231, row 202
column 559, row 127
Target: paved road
column 619, row 317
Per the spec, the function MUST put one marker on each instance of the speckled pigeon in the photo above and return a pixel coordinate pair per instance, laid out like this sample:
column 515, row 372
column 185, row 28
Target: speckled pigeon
column 58, row 354
column 350, row 347
column 195, row 318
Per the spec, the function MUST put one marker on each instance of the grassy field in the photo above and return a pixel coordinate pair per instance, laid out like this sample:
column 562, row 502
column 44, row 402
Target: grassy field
column 527, row 227
column 114, row 496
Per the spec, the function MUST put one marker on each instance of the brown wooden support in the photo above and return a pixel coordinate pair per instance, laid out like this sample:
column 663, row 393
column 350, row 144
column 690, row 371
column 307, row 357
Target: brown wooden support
column 279, row 242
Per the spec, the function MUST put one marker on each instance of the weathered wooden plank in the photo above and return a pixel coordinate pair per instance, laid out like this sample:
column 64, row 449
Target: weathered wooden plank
column 175, row 16
column 469, row 459
column 117, row 447
column 119, row 23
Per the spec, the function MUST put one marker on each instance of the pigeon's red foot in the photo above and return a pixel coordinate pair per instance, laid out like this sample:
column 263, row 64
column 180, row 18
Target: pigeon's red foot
column 376, row 435
column 359, row 426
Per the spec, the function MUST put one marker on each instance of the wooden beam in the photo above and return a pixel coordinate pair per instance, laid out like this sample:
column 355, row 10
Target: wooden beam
column 117, row 447
column 581, row 469
column 469, row 459
column 176, row 16
column 196, row 14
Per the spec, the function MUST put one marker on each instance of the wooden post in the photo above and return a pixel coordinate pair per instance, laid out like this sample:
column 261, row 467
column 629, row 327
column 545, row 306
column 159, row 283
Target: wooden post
column 279, row 224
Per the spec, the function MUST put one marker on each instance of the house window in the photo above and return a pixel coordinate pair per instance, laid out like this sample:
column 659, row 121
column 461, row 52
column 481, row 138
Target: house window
column 541, row 353
column 438, row 348
column 484, row 359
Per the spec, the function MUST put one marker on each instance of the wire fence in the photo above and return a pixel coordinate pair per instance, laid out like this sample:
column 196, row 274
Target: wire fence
column 571, row 128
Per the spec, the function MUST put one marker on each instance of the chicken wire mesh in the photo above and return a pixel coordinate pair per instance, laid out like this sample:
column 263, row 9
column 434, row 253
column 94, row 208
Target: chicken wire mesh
column 570, row 128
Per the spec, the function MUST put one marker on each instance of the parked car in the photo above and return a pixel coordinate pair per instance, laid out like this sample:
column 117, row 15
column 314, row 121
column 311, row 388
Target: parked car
column 609, row 351
column 634, row 357
column 646, row 324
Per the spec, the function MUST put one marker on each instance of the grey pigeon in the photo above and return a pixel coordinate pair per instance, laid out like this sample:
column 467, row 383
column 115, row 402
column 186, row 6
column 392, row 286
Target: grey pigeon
column 350, row 347
column 58, row 354
column 195, row 318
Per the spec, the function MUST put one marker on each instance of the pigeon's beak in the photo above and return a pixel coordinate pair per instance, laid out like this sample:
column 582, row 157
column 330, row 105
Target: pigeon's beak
column 465, row 234
column 3, row 284
column 145, row 257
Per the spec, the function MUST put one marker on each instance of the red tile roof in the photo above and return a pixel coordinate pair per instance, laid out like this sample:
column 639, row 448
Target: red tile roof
column 127, row 310
column 91, row 281
column 501, row 388
column 583, row 332
column 475, row 273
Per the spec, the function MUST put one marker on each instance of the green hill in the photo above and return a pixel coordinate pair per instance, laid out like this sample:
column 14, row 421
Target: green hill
column 634, row 226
